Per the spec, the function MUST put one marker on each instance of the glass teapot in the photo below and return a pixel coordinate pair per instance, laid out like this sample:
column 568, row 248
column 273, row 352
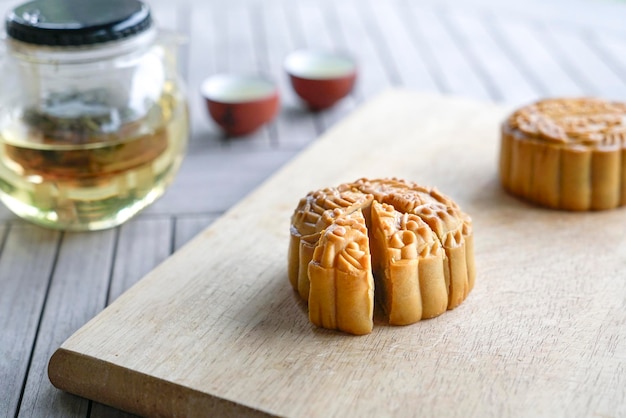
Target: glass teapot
column 93, row 117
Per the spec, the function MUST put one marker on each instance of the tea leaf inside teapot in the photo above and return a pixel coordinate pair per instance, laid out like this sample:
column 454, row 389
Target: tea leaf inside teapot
column 76, row 117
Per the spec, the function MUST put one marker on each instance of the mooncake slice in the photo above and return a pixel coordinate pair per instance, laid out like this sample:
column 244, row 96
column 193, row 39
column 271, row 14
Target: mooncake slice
column 408, row 265
column 341, row 292
column 313, row 214
column 452, row 227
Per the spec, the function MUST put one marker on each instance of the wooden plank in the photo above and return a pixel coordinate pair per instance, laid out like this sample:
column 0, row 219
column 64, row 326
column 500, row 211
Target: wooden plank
column 584, row 64
column 507, row 83
column 77, row 293
column 203, row 62
column 188, row 227
column 99, row 410
column 143, row 243
column 395, row 40
column 602, row 15
column 310, row 25
column 295, row 126
column 6, row 214
column 238, row 40
column 212, row 180
column 454, row 74
column 528, row 50
column 22, row 296
column 375, row 76
column 611, row 48
column 540, row 335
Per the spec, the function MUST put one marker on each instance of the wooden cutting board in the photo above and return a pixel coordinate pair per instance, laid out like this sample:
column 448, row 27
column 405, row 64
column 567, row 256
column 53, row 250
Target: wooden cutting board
column 216, row 329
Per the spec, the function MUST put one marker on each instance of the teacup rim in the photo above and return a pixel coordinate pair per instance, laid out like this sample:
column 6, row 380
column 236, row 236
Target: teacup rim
column 335, row 53
column 272, row 90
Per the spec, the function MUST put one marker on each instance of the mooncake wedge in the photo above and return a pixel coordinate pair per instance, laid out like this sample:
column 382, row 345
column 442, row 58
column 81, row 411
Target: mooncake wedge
column 341, row 292
column 314, row 213
column 408, row 265
column 452, row 227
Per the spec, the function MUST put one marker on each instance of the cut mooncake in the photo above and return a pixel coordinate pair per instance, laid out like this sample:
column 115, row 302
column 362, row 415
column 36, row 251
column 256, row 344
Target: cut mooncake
column 566, row 154
column 421, row 253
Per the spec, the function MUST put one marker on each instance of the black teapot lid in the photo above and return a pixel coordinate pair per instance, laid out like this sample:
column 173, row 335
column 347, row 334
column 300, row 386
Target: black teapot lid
column 77, row 22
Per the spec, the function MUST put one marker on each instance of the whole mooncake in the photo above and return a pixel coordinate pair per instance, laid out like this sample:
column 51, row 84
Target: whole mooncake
column 566, row 154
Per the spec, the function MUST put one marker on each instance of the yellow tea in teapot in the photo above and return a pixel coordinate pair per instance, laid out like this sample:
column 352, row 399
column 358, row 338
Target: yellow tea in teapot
column 66, row 173
column 93, row 114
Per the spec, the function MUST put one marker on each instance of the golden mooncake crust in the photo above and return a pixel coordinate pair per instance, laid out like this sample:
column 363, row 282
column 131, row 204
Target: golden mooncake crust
column 341, row 292
column 421, row 247
column 453, row 228
column 314, row 213
column 566, row 154
column 408, row 262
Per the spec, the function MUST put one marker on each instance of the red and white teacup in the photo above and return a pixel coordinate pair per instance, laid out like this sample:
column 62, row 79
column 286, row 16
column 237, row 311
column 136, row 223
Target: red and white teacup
column 240, row 104
column 321, row 78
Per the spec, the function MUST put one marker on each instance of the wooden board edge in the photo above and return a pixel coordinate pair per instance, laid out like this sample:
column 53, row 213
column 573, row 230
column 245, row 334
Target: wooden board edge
column 126, row 389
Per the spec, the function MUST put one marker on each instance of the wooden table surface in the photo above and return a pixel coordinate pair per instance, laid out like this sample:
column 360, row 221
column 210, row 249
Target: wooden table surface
column 51, row 282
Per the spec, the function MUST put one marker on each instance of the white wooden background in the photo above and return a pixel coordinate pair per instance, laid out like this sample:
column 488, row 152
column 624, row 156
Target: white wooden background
column 51, row 282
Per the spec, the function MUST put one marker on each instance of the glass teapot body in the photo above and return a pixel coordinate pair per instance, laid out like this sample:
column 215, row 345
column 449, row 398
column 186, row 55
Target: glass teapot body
column 92, row 133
